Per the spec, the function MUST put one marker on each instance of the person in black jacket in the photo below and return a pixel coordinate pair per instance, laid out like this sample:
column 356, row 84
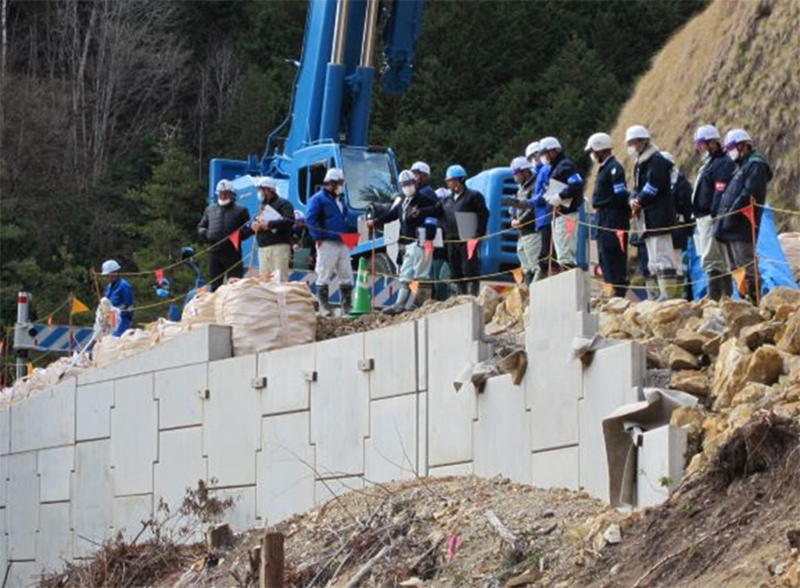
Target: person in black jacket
column 652, row 196
column 273, row 230
column 748, row 184
column 681, row 191
column 219, row 221
column 415, row 211
column 567, row 202
column 463, row 200
column 610, row 200
column 713, row 177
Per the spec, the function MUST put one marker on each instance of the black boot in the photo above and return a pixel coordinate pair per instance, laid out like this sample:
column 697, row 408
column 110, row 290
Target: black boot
column 402, row 299
column 346, row 291
column 323, row 299
column 726, row 286
column 714, row 286
column 528, row 279
column 620, row 291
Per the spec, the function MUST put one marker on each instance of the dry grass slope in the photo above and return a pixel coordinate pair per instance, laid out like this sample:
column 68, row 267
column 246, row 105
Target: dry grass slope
column 735, row 64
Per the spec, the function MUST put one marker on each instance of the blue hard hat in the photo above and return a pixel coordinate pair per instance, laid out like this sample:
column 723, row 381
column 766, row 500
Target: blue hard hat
column 455, row 172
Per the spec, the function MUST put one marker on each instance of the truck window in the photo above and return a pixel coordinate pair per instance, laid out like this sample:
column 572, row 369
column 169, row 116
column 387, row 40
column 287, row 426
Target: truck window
column 369, row 177
column 310, row 179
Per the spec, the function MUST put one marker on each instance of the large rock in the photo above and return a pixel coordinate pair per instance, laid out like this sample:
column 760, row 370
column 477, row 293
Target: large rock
column 691, row 340
column 752, row 393
column 790, row 339
column 730, row 372
column 693, row 382
column 740, row 314
column 680, row 359
column 614, row 326
column 689, row 417
column 657, row 352
column 713, row 322
column 780, row 296
column 671, row 317
column 759, row 334
column 765, row 366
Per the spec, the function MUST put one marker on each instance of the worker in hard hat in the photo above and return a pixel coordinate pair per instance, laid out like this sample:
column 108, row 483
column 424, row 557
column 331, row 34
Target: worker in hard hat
column 748, row 185
column 542, row 211
column 652, row 202
column 220, row 221
column 326, row 217
column 713, row 177
column 417, row 214
column 567, row 201
column 273, row 227
column 532, row 154
column 681, row 191
column 523, row 219
column 470, row 205
column 120, row 294
column 422, row 173
column 610, row 201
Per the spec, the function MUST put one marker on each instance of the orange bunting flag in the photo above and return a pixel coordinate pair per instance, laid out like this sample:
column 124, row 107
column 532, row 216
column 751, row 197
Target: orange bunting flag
column 428, row 246
column 234, row 238
column 112, row 319
column 350, row 240
column 750, row 213
column 518, row 275
column 29, row 367
column 414, row 287
column 78, row 307
column 739, row 278
column 50, row 321
column 621, row 239
column 159, row 275
column 471, row 245
column 570, row 226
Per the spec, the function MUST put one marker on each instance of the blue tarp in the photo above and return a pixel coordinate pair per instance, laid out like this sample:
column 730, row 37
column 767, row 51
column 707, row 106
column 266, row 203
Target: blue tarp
column 773, row 269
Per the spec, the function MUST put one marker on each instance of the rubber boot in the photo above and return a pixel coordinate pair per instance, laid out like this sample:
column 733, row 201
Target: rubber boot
column 528, row 278
column 620, row 291
column 323, row 300
column 652, row 288
column 714, row 286
column 411, row 303
column 473, row 288
column 667, row 285
column 726, row 286
column 402, row 298
column 346, row 292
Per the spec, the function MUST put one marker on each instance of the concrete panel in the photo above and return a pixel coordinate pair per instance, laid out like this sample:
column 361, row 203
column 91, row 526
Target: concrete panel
column 422, row 354
column 232, row 422
column 340, row 407
column 502, row 433
column 285, row 468
column 5, row 431
column 22, row 506
column 456, row 469
column 390, row 453
column 54, row 541
column 55, row 469
column 242, row 515
column 394, row 351
column 422, row 434
column 56, row 407
column 452, row 344
column 327, row 489
column 3, row 481
column 23, row 574
column 611, row 380
column 287, row 387
column 556, row 468
column 180, row 465
column 92, row 496
column 93, row 411
column 134, row 435
column 128, row 514
column 660, row 464
column 3, row 544
column 207, row 343
column 177, row 392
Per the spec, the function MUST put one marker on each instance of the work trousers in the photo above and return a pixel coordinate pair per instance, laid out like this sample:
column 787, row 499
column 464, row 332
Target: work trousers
column 223, row 265
column 565, row 235
column 333, row 259
column 741, row 254
column 274, row 258
column 713, row 257
column 463, row 267
column 613, row 258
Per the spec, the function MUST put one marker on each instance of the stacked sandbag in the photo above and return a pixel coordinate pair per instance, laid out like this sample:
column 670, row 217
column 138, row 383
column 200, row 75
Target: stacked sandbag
column 199, row 310
column 164, row 330
column 790, row 244
column 43, row 378
column 111, row 349
column 266, row 315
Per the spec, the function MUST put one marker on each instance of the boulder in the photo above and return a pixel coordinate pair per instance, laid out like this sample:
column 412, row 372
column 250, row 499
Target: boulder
column 713, row 322
column 657, row 352
column 784, row 312
column 765, row 366
column 751, row 393
column 740, row 314
column 489, row 299
column 711, row 347
column 614, row 326
column 759, row 334
column 789, row 340
column 691, row 340
column 671, row 317
column 730, row 372
column 780, row 296
column 680, row 359
column 693, row 382
column 639, row 315
column 689, row 417
column 616, row 305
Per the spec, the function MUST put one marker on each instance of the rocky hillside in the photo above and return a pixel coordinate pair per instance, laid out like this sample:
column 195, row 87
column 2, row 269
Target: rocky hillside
column 735, row 64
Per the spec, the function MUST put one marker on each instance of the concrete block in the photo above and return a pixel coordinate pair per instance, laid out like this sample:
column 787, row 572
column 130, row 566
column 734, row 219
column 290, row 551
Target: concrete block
column 55, row 470
column 54, row 540
column 660, row 464
column 93, row 411
column 232, row 422
column 206, row 343
column 3, row 482
column 453, row 336
column 22, row 506
column 242, row 515
column 331, row 487
column 610, row 381
column 134, row 435
column 287, row 387
column 128, row 514
column 92, row 496
column 394, row 351
column 3, row 544
column 340, row 407
column 390, row 453
column 177, row 391
column 502, row 436
column 422, row 354
column 55, row 407
column 455, row 469
column 556, row 468
column 422, row 434
column 285, row 468
column 22, row 574
column 180, row 465
column 5, row 431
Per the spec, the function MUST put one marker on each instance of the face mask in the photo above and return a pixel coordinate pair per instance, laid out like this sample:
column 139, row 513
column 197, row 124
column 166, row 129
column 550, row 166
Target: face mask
column 518, row 178
column 543, row 160
column 339, row 190
column 224, row 202
column 733, row 154
column 594, row 157
column 632, row 151
column 408, row 190
column 260, row 197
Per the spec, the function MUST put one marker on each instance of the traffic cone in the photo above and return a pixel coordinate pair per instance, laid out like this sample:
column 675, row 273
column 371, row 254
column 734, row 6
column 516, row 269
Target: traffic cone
column 362, row 303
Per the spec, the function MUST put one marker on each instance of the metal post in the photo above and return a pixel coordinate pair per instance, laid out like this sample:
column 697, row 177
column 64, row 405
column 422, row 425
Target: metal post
column 368, row 42
column 23, row 320
column 340, row 32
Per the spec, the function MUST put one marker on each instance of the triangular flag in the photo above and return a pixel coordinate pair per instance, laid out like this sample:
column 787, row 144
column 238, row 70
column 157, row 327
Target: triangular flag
column 471, row 245
column 749, row 212
column 621, row 239
column 350, row 240
column 234, row 237
column 570, row 226
column 159, row 275
column 518, row 275
column 78, row 307
column 738, row 277
column 112, row 319
column 428, row 246
column 50, row 321
column 29, row 367
column 414, row 287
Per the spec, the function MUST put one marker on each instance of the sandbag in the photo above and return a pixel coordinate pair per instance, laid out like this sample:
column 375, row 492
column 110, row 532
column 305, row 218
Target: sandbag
column 111, row 349
column 266, row 315
column 164, row 330
column 43, row 378
column 790, row 244
column 199, row 310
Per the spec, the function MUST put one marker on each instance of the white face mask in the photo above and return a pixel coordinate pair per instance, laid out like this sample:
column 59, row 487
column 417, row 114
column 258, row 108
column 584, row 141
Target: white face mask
column 222, row 202
column 543, row 160
column 632, row 151
column 339, row 190
column 594, row 157
column 409, row 190
column 518, row 178
column 733, row 154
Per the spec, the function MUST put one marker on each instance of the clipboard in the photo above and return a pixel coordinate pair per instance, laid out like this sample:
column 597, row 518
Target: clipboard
column 554, row 189
column 269, row 214
column 467, row 223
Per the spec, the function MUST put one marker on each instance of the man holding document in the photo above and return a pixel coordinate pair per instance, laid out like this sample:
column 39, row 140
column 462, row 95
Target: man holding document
column 273, row 228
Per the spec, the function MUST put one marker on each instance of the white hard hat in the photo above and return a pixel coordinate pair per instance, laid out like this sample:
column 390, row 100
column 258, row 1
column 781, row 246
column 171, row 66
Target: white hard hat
column 266, row 182
column 532, row 149
column 224, row 186
column 706, row 133
column 636, row 132
column 109, row 267
column 421, row 167
column 406, row 176
column 549, row 143
column 519, row 163
column 736, row 136
column 334, row 175
column 598, row 142
column 668, row 156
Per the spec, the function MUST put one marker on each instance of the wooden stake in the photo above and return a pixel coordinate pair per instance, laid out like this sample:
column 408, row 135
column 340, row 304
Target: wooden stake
column 755, row 251
column 271, row 573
